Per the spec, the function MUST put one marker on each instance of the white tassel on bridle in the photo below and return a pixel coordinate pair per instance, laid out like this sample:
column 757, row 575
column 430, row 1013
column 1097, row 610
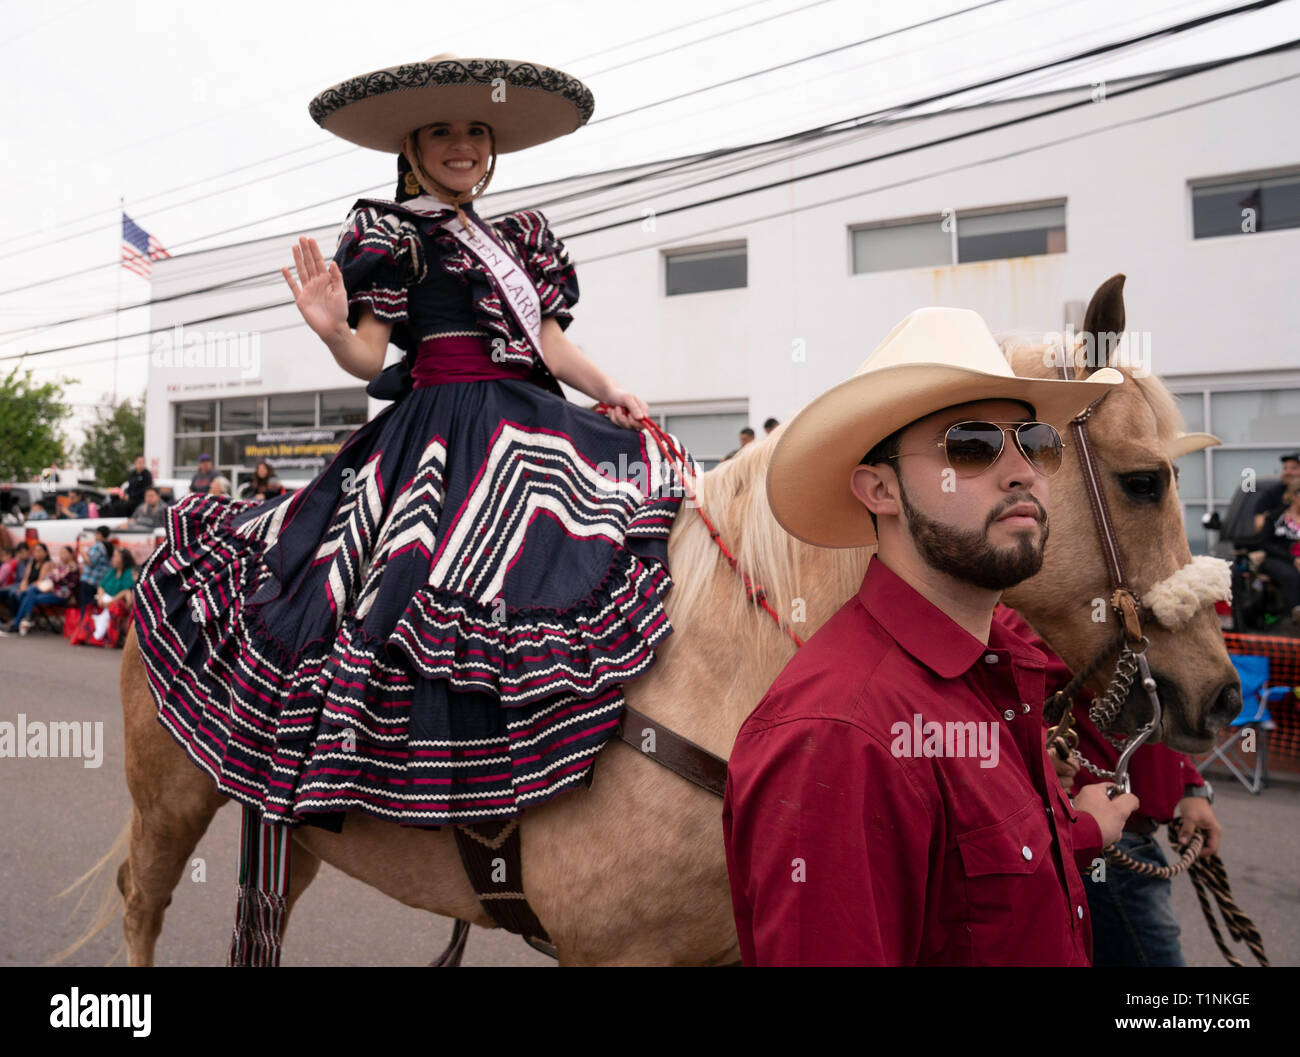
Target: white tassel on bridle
column 1177, row 598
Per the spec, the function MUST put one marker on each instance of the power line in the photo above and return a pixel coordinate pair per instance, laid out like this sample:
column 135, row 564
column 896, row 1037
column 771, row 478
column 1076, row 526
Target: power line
column 1155, row 82
column 1019, row 152
column 870, row 119
column 665, row 32
column 351, row 149
column 807, row 58
column 334, row 199
column 701, row 40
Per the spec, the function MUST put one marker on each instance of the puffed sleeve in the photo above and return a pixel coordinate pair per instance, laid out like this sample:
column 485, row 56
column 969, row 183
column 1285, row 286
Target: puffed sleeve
column 547, row 262
column 381, row 257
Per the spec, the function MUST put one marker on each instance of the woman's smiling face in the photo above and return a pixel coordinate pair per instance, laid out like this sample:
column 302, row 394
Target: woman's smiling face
column 455, row 153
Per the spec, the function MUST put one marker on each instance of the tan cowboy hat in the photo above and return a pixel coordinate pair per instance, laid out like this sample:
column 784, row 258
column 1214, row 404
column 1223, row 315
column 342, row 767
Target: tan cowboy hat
column 526, row 104
column 1186, row 443
column 934, row 358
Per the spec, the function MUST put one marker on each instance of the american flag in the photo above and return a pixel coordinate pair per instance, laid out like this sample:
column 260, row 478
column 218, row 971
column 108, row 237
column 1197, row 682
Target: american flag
column 139, row 248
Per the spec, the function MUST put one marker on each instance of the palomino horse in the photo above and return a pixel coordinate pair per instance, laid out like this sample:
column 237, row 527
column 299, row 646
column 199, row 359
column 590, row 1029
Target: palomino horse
column 632, row 870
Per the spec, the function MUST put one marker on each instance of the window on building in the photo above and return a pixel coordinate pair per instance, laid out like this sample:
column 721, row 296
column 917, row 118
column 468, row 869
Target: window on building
column 224, row 427
column 291, row 411
column 343, row 407
column 1245, row 204
column 1010, row 233
column 715, row 268
column 198, row 416
column 911, row 244
column 709, row 431
column 959, row 238
column 1257, row 426
column 245, row 412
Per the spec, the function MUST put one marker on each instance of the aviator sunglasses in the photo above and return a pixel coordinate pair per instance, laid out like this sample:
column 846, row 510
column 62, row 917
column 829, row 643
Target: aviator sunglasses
column 972, row 447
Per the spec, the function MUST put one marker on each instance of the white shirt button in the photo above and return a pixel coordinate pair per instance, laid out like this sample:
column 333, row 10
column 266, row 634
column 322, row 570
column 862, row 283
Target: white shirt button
column 1008, row 715
column 1080, row 909
column 1024, row 707
column 990, row 658
column 1026, row 852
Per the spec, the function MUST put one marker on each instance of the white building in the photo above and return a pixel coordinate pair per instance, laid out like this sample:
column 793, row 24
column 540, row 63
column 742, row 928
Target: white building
column 724, row 314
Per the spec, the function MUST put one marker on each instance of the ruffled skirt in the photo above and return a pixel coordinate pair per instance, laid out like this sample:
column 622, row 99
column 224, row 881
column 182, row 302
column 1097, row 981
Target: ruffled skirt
column 433, row 631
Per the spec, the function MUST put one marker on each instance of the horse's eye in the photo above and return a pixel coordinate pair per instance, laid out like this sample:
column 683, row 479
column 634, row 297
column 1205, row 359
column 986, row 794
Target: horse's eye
column 1144, row 486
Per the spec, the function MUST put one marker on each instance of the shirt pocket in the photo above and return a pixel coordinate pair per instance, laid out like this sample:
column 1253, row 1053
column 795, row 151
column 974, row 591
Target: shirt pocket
column 1001, row 864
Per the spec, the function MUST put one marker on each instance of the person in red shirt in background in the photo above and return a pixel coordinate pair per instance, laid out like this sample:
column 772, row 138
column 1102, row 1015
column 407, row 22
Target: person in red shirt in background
column 890, row 800
column 1133, row 921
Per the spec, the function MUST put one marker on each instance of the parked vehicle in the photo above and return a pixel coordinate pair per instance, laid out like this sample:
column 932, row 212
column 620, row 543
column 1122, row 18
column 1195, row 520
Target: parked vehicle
column 28, row 493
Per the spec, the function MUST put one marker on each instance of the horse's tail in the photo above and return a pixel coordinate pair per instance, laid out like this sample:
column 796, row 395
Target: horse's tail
column 109, row 883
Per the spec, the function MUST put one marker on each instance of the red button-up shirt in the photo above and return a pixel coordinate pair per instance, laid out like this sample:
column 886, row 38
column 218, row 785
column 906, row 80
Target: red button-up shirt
column 1159, row 776
column 847, row 844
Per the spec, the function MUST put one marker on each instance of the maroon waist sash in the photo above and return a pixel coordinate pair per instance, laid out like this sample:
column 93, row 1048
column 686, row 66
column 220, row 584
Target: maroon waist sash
column 440, row 361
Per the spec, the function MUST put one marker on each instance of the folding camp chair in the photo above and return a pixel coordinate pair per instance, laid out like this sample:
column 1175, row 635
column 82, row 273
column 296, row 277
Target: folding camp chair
column 1244, row 754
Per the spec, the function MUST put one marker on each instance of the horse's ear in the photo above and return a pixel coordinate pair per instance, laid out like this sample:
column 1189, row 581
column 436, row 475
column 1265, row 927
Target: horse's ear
column 1103, row 322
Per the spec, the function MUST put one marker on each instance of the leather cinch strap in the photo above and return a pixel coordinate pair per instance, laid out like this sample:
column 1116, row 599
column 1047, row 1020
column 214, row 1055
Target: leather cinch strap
column 680, row 755
column 490, row 852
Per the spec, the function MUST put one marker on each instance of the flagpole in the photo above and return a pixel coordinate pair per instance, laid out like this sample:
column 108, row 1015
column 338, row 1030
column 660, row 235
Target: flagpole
column 117, row 316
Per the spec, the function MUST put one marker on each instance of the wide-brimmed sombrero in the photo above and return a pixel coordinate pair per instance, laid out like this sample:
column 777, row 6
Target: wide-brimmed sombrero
column 935, row 358
column 524, row 102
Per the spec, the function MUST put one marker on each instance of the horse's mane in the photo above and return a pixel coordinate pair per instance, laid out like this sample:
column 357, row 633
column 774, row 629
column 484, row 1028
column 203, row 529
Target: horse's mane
column 734, row 495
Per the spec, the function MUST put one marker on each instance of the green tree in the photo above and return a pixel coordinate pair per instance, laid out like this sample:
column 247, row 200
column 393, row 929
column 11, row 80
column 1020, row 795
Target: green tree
column 113, row 442
column 31, row 418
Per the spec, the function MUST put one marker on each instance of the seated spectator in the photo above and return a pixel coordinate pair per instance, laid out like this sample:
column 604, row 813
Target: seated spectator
column 38, row 512
column 77, row 506
column 54, row 589
column 97, row 563
column 202, row 480
column 11, row 571
column 7, row 563
column 31, row 565
column 1271, row 501
column 107, row 621
column 1280, row 541
column 263, row 484
column 219, row 486
column 152, row 513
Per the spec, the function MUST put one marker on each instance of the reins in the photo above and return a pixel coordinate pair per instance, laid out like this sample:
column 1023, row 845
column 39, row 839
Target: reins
column 674, row 455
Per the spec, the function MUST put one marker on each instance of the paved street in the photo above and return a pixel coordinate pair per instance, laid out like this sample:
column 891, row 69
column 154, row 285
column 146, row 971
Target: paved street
column 60, row 817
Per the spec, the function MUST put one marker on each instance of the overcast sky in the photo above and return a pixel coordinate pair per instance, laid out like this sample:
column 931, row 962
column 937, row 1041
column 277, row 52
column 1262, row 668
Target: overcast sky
column 153, row 100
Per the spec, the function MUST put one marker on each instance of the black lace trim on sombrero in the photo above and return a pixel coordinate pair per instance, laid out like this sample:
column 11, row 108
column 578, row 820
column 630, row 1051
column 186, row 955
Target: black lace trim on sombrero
column 453, row 72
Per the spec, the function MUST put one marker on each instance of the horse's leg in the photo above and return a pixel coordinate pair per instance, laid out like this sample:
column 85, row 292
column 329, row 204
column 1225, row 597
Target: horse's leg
column 304, row 865
column 174, row 803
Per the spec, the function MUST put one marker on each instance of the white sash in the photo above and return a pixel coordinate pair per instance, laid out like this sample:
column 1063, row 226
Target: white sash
column 512, row 282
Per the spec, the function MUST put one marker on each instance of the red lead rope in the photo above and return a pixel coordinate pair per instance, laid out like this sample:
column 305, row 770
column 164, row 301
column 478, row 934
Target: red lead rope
column 673, row 454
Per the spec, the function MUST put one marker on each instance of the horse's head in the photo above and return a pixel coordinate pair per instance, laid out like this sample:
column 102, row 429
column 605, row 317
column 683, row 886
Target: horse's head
column 1129, row 433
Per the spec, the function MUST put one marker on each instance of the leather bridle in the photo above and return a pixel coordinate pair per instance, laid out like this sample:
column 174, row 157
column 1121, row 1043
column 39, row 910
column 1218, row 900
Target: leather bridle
column 1132, row 644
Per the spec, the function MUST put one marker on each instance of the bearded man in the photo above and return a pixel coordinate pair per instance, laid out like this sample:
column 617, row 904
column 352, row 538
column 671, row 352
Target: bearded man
column 890, row 800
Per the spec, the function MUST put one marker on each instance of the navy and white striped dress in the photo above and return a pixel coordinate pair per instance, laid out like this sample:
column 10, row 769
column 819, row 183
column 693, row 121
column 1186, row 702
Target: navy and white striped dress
column 434, row 630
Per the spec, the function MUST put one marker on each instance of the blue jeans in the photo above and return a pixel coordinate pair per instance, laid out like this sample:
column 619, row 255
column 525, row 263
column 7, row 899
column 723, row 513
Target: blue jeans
column 30, row 601
column 1133, row 922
